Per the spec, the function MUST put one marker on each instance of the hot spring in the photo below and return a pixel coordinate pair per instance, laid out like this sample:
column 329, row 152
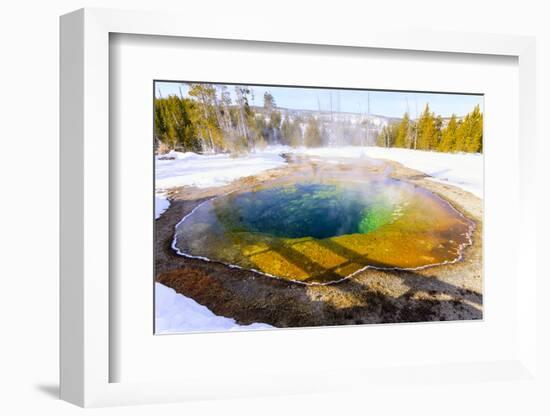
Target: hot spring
column 325, row 231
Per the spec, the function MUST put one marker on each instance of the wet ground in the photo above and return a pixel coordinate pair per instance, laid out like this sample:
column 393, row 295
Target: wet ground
column 438, row 293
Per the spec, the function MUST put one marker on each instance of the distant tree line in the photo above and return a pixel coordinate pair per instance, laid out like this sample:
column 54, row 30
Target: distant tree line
column 207, row 119
column 430, row 132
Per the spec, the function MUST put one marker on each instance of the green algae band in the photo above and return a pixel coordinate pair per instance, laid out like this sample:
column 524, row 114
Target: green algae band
column 322, row 232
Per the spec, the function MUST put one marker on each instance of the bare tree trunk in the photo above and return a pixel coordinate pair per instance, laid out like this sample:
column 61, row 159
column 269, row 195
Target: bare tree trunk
column 242, row 118
column 223, row 122
column 205, row 111
column 416, row 123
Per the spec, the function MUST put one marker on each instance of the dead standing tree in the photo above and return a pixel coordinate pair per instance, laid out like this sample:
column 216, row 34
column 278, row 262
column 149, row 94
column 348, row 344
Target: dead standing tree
column 242, row 102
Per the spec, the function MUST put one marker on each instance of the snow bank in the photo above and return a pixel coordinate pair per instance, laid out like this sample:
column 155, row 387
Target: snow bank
column 204, row 171
column 464, row 170
column 161, row 203
column 177, row 313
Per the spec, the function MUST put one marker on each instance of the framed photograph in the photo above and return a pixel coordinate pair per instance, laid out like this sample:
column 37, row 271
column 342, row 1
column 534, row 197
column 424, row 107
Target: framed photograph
column 225, row 199
column 300, row 207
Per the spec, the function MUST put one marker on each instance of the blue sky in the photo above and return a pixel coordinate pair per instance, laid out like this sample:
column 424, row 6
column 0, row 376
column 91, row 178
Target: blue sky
column 385, row 103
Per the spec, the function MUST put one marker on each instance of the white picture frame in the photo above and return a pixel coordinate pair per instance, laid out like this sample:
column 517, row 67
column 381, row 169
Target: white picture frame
column 85, row 211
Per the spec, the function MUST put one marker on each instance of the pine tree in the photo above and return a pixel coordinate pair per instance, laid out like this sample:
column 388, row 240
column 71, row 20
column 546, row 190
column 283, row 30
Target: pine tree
column 312, row 136
column 448, row 136
column 259, row 131
column 206, row 119
column 174, row 127
column 427, row 130
column 436, row 140
column 469, row 134
column 459, row 145
column 286, row 131
column 473, row 132
column 402, row 138
column 387, row 136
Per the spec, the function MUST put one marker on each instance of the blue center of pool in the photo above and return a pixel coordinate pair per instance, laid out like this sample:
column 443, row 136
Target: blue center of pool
column 306, row 210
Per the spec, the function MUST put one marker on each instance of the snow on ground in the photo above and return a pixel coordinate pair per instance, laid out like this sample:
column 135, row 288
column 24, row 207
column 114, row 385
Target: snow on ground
column 464, row 170
column 204, row 171
column 177, row 313
column 161, row 203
